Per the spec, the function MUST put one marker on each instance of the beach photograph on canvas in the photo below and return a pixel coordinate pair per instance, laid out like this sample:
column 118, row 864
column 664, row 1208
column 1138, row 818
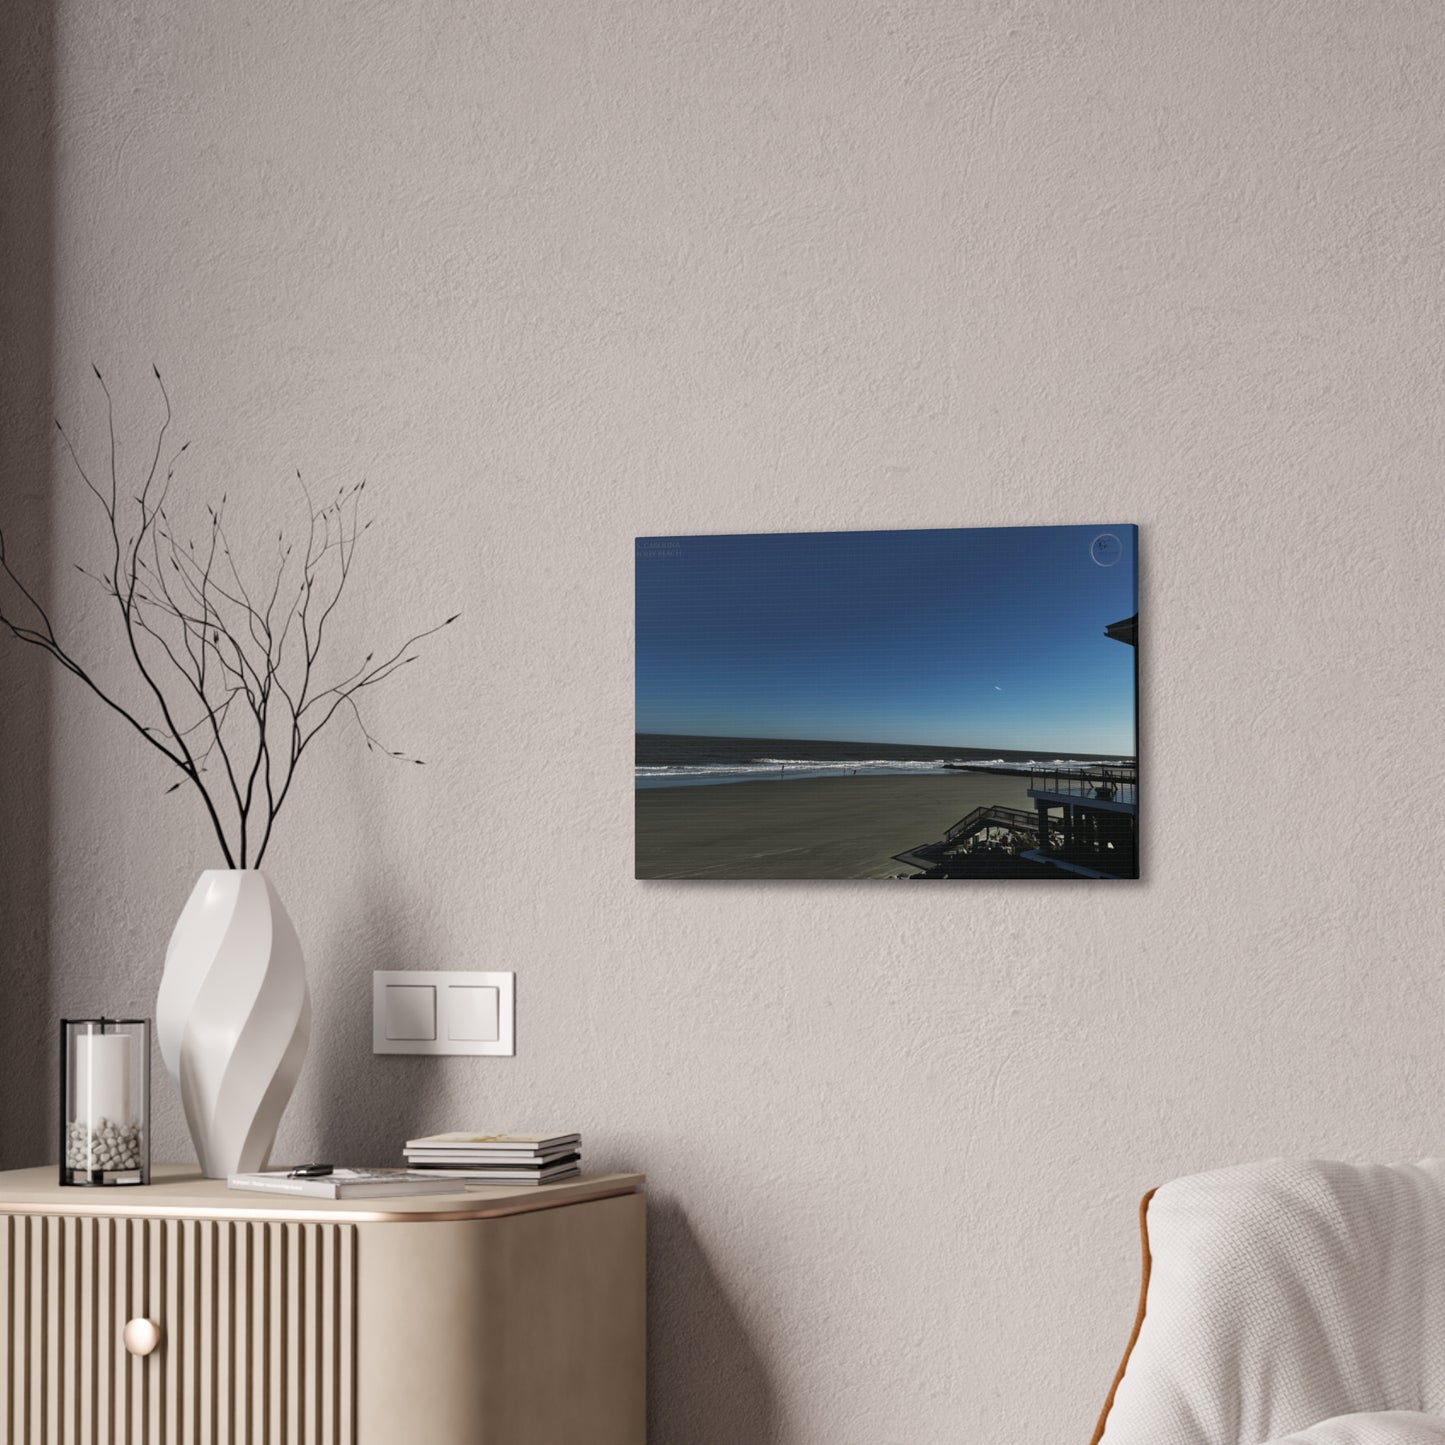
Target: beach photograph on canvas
column 925, row 704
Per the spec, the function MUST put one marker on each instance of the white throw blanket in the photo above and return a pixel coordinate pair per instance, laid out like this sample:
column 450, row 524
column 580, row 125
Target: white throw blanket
column 1293, row 1301
column 1385, row 1427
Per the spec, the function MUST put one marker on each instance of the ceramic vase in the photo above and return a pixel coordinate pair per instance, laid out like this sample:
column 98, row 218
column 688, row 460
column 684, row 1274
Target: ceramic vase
column 233, row 1017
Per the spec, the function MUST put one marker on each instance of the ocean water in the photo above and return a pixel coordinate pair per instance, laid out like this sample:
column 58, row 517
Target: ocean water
column 668, row 760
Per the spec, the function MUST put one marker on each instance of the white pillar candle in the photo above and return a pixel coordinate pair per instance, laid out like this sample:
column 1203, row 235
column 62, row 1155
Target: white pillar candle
column 102, row 1078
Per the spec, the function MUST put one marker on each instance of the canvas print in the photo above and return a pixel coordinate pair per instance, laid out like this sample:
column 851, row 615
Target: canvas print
column 942, row 704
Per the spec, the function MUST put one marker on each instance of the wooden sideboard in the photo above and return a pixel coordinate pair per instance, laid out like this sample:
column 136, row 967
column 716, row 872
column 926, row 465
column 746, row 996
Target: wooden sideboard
column 498, row 1316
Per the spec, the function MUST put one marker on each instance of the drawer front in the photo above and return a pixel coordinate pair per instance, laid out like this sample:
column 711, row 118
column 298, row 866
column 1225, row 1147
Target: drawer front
column 257, row 1332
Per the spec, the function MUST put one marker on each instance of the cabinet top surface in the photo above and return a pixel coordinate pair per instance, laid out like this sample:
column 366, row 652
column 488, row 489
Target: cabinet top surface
column 178, row 1191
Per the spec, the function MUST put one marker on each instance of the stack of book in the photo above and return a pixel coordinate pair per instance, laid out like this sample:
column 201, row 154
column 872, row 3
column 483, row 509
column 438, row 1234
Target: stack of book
column 473, row 1159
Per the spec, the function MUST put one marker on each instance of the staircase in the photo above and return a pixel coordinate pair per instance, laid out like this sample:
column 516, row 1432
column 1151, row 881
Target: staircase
column 1016, row 820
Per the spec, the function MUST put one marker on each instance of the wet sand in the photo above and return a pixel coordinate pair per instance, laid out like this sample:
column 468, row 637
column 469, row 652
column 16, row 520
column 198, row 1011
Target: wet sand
column 810, row 828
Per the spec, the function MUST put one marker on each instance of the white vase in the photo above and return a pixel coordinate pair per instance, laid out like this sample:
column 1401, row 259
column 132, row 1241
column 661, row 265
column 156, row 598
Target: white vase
column 233, row 1017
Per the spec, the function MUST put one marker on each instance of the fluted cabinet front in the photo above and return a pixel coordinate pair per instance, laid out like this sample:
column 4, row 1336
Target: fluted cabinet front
column 257, row 1331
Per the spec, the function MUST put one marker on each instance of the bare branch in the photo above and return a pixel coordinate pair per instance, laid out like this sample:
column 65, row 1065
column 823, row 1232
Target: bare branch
column 200, row 640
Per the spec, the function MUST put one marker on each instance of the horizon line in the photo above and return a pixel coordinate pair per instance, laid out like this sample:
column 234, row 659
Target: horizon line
column 857, row 742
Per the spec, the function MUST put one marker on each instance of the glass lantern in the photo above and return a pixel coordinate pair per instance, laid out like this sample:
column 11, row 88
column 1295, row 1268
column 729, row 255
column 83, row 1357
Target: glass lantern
column 105, row 1101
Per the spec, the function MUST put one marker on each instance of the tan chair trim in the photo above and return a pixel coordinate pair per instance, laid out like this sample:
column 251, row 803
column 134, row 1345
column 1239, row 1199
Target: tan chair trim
column 1138, row 1319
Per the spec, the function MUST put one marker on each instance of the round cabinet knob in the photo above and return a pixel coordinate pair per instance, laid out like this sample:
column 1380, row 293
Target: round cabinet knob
column 141, row 1336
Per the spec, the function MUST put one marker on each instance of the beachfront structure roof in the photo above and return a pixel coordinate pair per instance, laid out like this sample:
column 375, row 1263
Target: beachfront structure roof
column 1125, row 631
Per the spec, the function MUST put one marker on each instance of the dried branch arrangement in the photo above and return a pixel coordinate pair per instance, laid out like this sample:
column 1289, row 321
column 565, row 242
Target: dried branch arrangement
column 232, row 687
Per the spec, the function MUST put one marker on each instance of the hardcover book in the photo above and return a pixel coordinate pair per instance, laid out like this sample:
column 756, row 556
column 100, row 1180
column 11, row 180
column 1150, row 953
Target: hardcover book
column 343, row 1183
column 522, row 1143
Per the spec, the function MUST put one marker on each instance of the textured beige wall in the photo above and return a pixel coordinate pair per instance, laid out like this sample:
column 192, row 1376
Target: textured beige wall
column 556, row 274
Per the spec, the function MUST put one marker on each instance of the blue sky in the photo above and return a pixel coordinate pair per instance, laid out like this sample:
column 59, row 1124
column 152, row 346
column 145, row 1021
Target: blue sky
column 979, row 637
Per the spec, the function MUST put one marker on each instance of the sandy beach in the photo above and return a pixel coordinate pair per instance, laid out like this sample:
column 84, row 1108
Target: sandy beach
column 809, row 828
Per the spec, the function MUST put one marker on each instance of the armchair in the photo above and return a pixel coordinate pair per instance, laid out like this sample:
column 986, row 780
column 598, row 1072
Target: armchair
column 1290, row 1302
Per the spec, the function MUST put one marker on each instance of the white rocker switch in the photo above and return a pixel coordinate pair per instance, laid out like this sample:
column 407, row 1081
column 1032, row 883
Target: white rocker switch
column 411, row 1011
column 424, row 1011
column 472, row 1014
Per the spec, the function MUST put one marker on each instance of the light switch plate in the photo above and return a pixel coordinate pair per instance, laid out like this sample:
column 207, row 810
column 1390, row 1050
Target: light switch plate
column 418, row 1011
